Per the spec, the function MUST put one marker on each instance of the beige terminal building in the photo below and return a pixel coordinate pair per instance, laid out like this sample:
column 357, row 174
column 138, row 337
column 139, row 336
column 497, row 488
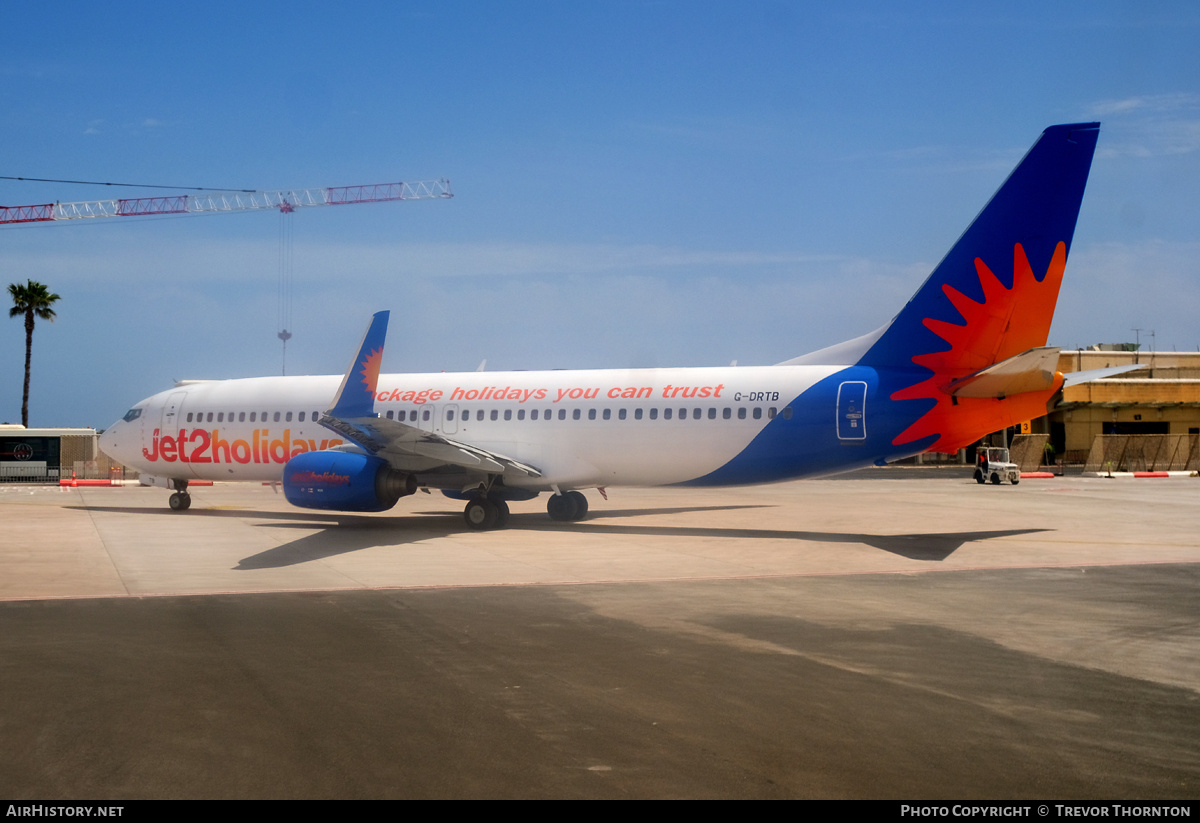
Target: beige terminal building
column 1162, row 398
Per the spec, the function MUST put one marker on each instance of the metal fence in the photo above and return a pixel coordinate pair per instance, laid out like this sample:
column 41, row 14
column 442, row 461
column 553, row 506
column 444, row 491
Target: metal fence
column 1144, row 453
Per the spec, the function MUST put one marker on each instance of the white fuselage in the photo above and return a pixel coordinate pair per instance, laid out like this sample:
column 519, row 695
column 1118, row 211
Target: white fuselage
column 578, row 428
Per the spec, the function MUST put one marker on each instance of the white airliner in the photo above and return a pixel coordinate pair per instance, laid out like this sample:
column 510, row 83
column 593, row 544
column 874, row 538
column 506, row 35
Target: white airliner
column 965, row 357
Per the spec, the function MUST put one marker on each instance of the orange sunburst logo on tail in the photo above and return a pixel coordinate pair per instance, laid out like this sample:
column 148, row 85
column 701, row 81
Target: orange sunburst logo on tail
column 370, row 369
column 1006, row 323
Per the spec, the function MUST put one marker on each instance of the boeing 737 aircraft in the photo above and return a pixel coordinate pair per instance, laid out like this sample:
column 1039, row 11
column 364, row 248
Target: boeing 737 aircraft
column 965, row 357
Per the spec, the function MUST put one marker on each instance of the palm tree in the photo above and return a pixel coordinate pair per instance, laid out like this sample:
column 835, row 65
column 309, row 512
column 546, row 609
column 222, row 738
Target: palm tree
column 31, row 300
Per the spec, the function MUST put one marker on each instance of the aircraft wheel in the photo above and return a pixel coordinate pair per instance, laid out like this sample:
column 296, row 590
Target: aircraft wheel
column 501, row 511
column 995, row 478
column 562, row 506
column 979, row 477
column 581, row 505
column 481, row 514
column 181, row 501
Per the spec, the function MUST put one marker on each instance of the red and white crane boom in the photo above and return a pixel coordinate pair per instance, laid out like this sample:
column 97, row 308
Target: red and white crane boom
column 286, row 200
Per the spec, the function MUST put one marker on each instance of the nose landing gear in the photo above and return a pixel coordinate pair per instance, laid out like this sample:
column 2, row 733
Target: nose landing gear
column 180, row 501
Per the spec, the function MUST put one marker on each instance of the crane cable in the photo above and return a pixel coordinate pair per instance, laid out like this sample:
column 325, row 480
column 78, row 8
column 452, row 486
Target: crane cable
column 286, row 267
column 127, row 185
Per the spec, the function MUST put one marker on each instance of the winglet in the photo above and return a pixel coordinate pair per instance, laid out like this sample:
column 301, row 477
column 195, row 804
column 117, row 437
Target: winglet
column 356, row 396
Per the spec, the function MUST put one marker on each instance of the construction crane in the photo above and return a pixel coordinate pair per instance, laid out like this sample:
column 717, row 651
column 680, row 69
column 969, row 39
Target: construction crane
column 286, row 201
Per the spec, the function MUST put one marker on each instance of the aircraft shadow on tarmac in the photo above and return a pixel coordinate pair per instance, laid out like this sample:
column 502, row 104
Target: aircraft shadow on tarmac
column 345, row 533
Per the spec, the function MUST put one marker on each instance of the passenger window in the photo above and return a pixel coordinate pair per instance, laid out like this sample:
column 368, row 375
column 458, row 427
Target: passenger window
column 479, row 415
column 654, row 414
column 637, row 414
column 591, row 414
column 288, row 417
column 712, row 414
column 562, row 414
column 301, row 417
column 189, row 417
column 726, row 413
column 391, row 415
column 508, row 414
column 276, row 417
column 621, row 414
column 495, row 414
column 425, row 415
column 757, row 413
column 575, row 414
column 742, row 413
column 787, row 412
column 533, row 414
column 241, row 417
column 210, row 414
column 252, row 416
column 607, row 414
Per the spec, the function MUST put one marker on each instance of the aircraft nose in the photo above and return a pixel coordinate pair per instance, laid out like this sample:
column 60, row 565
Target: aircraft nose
column 110, row 441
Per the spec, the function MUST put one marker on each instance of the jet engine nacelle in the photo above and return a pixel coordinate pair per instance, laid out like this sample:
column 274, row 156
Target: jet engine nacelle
column 344, row 481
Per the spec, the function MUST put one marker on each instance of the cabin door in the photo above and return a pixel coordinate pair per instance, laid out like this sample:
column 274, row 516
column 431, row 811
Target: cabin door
column 851, row 411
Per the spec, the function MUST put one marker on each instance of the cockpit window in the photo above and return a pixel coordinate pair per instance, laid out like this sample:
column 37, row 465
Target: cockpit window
column 131, row 415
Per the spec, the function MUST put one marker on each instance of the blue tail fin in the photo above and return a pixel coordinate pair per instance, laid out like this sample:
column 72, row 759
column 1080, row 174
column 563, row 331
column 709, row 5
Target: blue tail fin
column 978, row 300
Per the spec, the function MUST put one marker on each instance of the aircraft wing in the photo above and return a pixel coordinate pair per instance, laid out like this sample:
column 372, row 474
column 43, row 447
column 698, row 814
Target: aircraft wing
column 407, row 448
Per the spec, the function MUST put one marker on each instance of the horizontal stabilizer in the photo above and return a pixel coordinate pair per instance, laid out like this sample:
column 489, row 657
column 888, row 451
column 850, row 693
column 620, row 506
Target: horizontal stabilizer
column 1032, row 370
column 1076, row 377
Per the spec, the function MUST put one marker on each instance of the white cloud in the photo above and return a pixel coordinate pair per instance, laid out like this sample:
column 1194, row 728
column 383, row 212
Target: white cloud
column 1158, row 125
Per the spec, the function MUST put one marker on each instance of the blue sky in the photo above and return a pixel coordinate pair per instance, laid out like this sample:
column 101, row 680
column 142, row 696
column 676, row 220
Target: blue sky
column 636, row 184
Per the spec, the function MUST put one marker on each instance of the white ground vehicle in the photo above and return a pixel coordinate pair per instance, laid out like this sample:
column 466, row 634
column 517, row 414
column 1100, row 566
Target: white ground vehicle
column 998, row 468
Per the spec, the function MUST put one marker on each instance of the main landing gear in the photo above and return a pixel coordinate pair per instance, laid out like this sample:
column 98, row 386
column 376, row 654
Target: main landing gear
column 484, row 513
column 570, row 505
column 491, row 512
column 180, row 501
